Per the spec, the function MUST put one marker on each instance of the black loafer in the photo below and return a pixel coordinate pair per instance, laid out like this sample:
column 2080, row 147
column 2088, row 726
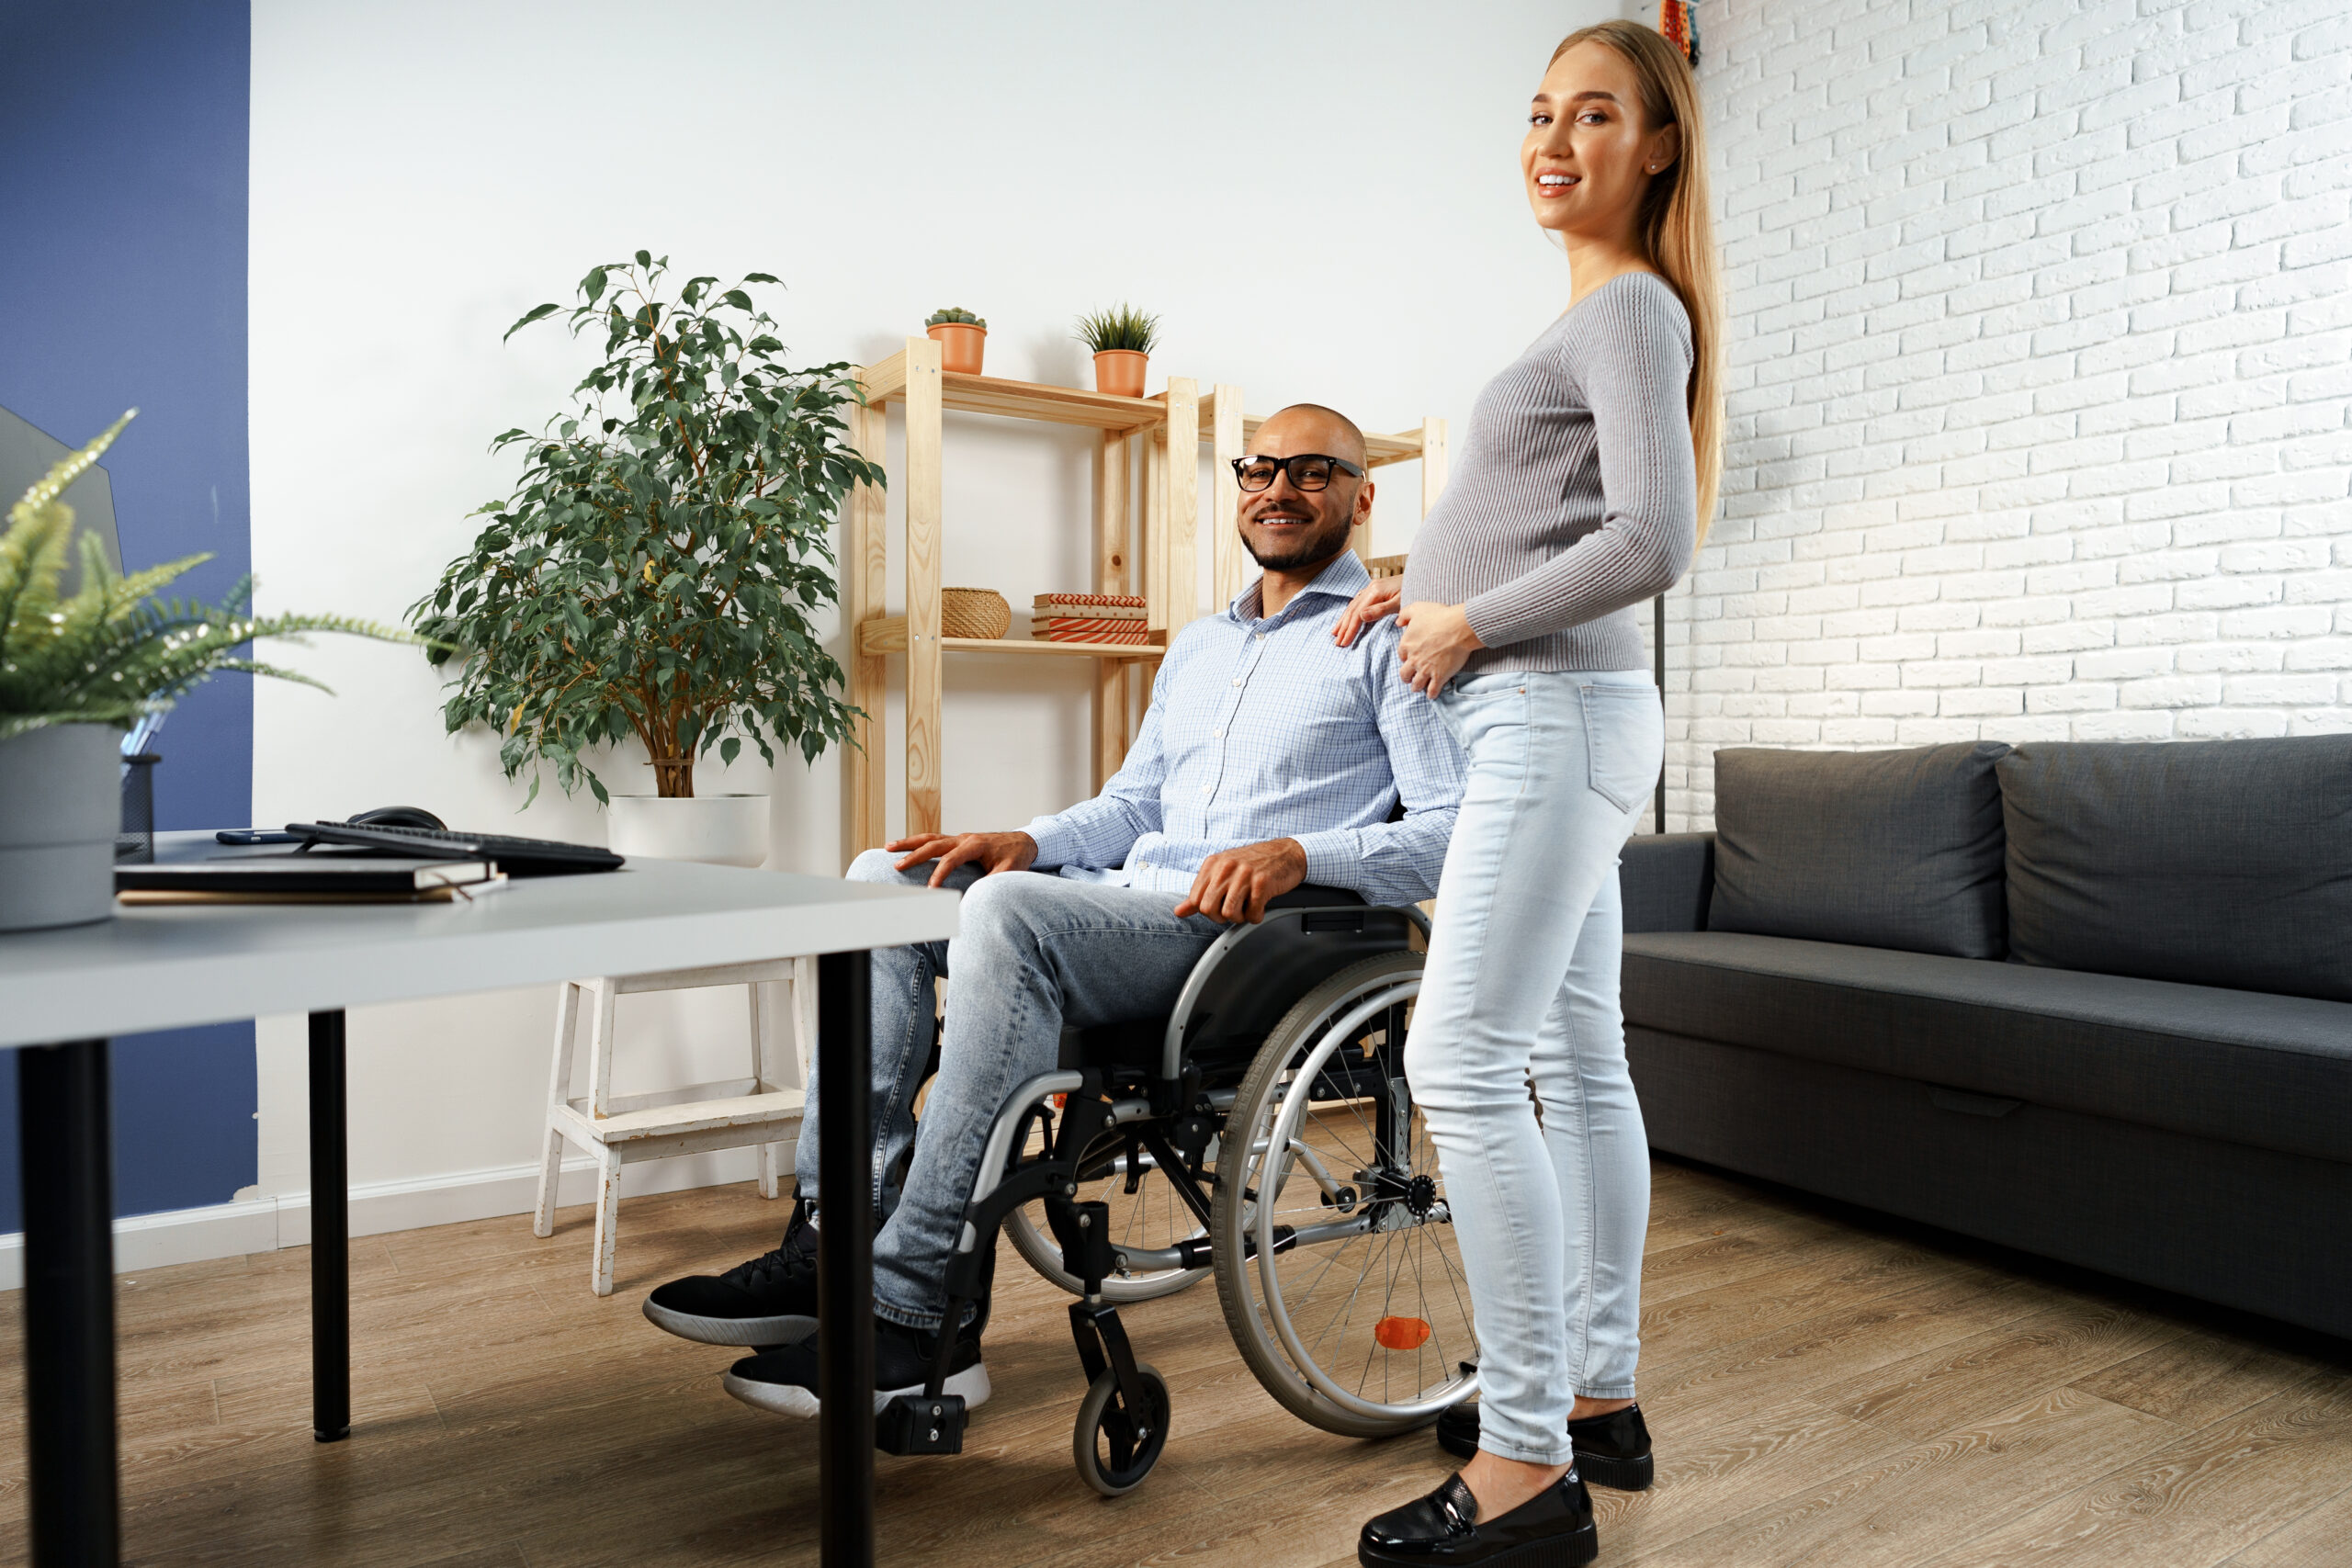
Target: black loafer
column 1554, row 1530
column 1613, row 1451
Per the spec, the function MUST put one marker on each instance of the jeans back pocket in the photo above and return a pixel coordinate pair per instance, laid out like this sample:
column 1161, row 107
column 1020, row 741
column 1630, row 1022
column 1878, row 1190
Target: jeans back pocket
column 1624, row 737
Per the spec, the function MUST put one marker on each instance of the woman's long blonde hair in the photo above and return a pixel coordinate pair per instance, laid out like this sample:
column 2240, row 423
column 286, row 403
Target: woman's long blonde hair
column 1678, row 231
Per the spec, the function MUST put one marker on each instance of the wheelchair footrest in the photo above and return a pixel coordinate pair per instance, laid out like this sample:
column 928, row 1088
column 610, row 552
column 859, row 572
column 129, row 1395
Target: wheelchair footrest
column 917, row 1423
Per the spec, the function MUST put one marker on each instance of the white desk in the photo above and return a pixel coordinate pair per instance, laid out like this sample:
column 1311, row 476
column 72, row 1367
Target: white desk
column 67, row 991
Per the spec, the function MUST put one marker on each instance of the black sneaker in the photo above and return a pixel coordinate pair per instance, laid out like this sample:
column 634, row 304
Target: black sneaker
column 772, row 1300
column 1613, row 1451
column 785, row 1380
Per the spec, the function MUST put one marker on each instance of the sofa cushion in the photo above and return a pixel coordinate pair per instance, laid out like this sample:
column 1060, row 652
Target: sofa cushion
column 2220, row 863
column 1665, row 881
column 2270, row 1071
column 1892, row 848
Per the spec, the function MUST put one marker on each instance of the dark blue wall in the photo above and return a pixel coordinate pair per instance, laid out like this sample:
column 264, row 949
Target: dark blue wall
column 123, row 152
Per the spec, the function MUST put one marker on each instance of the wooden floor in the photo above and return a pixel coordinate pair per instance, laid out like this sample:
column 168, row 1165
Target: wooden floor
column 1824, row 1388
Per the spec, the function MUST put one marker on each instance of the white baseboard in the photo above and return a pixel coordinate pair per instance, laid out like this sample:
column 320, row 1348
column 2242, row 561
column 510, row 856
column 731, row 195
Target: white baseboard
column 378, row 1208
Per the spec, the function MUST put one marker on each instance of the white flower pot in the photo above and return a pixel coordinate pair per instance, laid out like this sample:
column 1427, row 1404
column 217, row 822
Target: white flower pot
column 61, row 804
column 718, row 829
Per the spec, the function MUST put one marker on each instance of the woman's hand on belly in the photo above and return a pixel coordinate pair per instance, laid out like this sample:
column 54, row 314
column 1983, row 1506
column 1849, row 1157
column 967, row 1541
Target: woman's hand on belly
column 1437, row 642
column 1373, row 603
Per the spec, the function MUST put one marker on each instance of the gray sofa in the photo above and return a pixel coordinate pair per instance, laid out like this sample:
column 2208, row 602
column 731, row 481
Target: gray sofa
column 2092, row 1001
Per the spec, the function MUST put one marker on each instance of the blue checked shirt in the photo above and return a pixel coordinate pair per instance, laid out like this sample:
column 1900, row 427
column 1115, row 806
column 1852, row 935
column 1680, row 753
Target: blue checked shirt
column 1262, row 728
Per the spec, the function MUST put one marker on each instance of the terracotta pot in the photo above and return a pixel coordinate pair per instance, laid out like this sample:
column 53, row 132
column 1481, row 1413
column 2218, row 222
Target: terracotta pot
column 960, row 344
column 1119, row 371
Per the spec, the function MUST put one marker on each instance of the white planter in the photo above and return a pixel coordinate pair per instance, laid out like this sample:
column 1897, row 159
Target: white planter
column 718, row 829
column 61, row 803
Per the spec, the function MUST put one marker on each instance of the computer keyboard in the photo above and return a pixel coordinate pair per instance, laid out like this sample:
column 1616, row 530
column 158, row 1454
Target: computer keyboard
column 515, row 857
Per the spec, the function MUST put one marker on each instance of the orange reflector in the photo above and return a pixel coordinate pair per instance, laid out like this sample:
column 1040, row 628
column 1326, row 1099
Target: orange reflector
column 1401, row 1333
column 1059, row 1100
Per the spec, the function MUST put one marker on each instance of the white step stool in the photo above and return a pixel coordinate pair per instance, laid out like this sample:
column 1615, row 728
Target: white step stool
column 623, row 1130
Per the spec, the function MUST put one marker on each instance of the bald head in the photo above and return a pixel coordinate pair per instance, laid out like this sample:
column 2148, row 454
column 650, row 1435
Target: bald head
column 1311, row 427
column 1290, row 532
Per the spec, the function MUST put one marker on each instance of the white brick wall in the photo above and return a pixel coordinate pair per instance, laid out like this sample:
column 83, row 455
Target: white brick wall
column 2040, row 377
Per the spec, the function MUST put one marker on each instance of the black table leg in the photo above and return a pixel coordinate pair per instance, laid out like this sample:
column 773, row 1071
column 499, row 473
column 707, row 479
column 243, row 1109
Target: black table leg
column 65, row 1127
column 330, row 1234
column 845, row 1262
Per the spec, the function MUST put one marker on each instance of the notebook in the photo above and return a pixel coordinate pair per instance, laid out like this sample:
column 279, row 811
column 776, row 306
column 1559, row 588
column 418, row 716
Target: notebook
column 305, row 879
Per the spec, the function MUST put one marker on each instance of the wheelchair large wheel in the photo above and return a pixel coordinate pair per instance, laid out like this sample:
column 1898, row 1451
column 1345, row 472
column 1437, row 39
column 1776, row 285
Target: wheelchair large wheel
column 1145, row 1215
column 1334, row 1249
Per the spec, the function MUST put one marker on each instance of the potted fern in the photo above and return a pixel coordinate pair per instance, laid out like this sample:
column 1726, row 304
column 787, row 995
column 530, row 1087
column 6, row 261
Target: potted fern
column 962, row 337
column 1122, row 340
column 76, row 672
column 653, row 574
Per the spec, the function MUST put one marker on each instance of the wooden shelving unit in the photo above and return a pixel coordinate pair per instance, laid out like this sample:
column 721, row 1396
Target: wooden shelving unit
column 1155, row 555
column 1133, row 430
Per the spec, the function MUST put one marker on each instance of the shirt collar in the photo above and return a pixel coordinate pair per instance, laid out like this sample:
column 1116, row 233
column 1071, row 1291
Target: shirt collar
column 1344, row 577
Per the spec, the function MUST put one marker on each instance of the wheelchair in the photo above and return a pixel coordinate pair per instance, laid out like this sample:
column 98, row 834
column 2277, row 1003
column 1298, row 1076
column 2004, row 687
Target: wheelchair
column 1261, row 1132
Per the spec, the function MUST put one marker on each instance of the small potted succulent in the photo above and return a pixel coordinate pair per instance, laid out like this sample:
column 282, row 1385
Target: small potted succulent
column 78, row 670
column 962, row 337
column 1122, row 340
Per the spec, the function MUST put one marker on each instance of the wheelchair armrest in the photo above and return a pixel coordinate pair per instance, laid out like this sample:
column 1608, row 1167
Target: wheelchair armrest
column 1279, row 912
column 1308, row 895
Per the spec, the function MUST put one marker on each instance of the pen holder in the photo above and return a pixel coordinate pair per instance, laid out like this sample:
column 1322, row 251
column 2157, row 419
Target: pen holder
column 135, row 843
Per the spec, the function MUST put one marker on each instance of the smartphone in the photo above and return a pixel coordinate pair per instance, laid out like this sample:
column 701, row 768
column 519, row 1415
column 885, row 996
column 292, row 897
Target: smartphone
column 257, row 835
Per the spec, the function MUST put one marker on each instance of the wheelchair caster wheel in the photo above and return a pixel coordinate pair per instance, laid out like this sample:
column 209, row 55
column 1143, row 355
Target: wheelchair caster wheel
column 1115, row 1448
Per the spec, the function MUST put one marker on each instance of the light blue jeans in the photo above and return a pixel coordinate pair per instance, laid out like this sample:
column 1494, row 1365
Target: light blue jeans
column 1036, row 952
column 1522, row 983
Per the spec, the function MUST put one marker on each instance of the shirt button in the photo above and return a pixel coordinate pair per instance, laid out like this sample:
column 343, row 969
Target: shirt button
column 1216, row 735
column 1237, row 680
column 1261, row 636
column 1143, row 865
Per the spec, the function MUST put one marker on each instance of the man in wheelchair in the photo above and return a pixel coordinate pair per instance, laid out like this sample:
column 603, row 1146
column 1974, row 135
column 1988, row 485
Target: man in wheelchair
column 1270, row 758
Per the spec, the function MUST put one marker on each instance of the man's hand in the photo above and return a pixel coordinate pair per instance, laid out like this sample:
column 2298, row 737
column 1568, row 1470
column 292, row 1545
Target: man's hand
column 1370, row 605
column 991, row 852
column 1234, row 884
column 1437, row 642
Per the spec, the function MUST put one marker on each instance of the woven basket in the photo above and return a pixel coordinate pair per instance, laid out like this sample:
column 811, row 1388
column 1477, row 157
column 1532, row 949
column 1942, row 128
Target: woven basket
column 974, row 612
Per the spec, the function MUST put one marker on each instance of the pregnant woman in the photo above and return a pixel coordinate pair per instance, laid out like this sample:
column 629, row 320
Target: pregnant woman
column 1591, row 461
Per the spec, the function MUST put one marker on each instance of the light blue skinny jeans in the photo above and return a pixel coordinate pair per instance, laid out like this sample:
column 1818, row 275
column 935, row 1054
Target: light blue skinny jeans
column 1036, row 952
column 1522, row 983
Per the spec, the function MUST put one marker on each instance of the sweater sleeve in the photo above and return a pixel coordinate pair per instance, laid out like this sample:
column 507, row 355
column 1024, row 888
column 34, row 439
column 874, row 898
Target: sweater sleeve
column 1632, row 359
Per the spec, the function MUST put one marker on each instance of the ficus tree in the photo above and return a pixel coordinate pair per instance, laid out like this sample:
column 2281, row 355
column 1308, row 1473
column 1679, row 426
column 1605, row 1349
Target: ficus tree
column 654, row 572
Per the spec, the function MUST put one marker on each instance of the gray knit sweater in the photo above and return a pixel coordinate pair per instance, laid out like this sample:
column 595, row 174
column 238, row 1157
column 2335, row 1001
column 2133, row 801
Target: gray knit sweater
column 1576, row 496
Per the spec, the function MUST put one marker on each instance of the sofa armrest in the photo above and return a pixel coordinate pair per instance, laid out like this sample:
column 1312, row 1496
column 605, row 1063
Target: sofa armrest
column 1666, row 880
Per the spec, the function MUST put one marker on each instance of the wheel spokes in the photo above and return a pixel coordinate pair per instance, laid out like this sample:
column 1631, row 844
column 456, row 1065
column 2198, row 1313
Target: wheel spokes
column 1370, row 1322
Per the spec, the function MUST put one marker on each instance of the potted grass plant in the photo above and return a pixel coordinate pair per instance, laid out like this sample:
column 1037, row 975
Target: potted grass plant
column 78, row 670
column 962, row 337
column 653, row 574
column 1122, row 340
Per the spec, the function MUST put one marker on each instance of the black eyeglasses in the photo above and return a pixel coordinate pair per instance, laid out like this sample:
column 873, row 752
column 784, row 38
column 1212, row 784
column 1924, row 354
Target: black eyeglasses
column 1309, row 470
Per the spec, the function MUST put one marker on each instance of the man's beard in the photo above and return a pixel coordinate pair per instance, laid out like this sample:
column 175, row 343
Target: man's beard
column 1313, row 550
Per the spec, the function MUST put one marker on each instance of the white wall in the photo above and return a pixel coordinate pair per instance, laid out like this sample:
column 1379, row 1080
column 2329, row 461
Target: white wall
column 1321, row 200
column 2041, row 376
